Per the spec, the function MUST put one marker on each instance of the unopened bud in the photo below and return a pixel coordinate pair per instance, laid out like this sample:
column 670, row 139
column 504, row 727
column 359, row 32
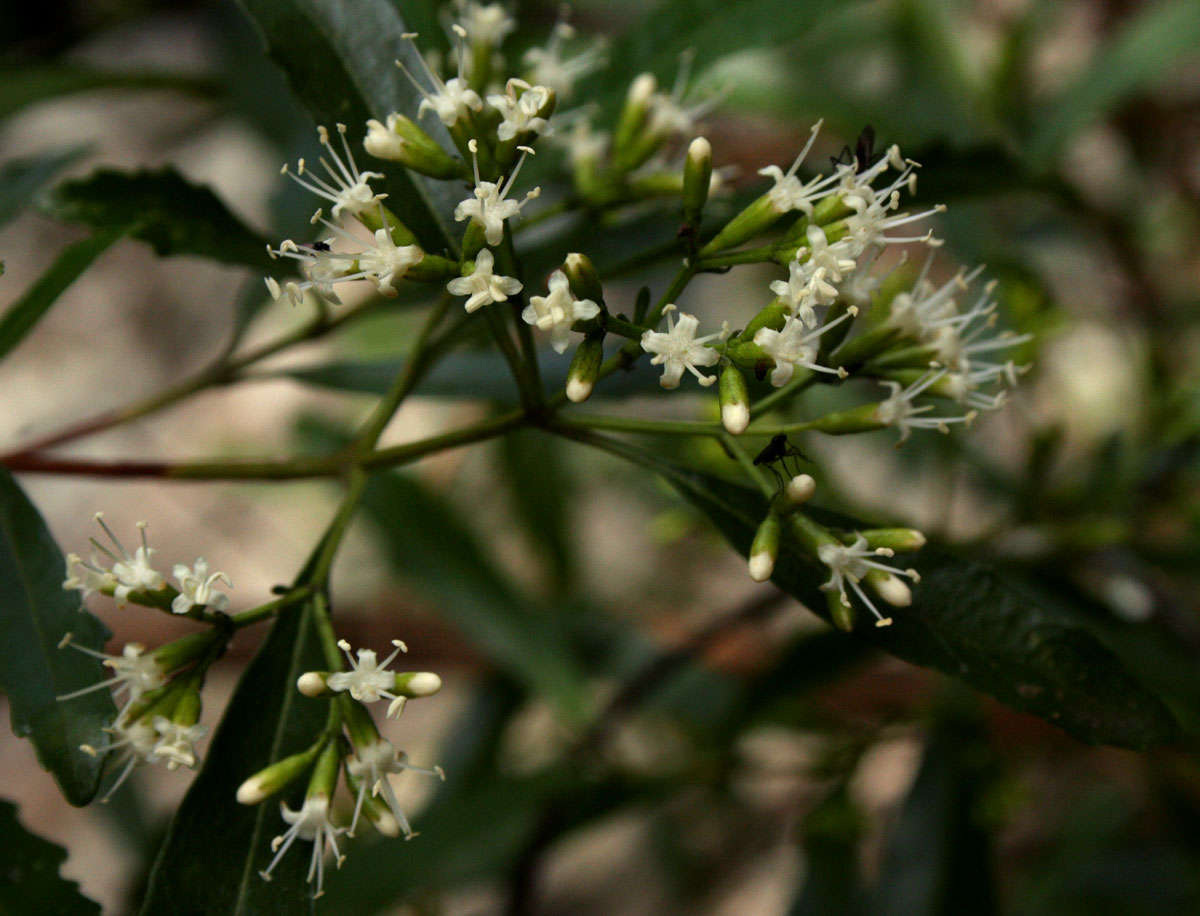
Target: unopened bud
column 417, row 684
column 697, row 177
column 583, row 277
column 840, row 611
column 585, row 368
column 634, row 114
column 312, row 683
column 276, row 777
column 800, row 489
column 894, row 538
column 401, row 140
column 765, row 548
column 889, row 587
column 735, row 401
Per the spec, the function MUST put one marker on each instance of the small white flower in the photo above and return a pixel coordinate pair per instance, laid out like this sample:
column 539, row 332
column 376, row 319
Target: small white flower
column 849, row 564
column 311, row 824
column 132, row 744
column 87, row 578
column 130, row 573
column 811, row 282
column 176, row 743
column 134, row 673
column 452, row 100
column 899, row 411
column 557, row 312
column 482, row 286
column 484, row 25
column 370, row 767
column 549, row 67
column 350, row 191
column 519, row 107
column 196, row 587
column 794, row 346
column 679, row 348
column 789, row 192
column 368, row 679
column 583, row 144
column 670, row 115
column 490, row 205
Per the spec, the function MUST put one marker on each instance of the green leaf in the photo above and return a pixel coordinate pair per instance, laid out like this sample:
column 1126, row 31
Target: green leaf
column 339, row 56
column 166, row 210
column 972, row 621
column 435, row 549
column 21, row 179
column 25, row 85
column 27, row 311
column 35, row 614
column 29, row 878
column 215, row 847
column 1149, row 44
column 832, row 833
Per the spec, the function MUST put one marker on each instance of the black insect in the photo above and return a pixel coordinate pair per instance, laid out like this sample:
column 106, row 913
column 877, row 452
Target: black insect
column 863, row 155
column 777, row 452
column 319, row 246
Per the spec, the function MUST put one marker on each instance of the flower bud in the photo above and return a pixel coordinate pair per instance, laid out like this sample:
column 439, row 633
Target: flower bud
column 636, row 109
column 312, row 683
column 734, row 399
column 861, row 419
column 800, row 489
column 276, row 777
column 401, row 234
column 323, row 781
column 774, row 316
column 765, row 548
column 417, row 684
column 697, row 177
column 894, row 538
column 582, row 275
column 585, row 367
column 840, row 611
column 757, row 218
column 889, row 587
column 403, row 141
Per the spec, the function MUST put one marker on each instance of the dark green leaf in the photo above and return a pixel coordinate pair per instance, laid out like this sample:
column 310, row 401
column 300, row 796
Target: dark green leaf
column 435, row 549
column 537, row 478
column 971, row 621
column 938, row 857
column 35, row 614
column 165, row 209
column 831, row 831
column 27, row 311
column 21, row 179
column 1141, row 54
column 29, row 878
column 215, row 847
column 25, row 85
column 340, row 58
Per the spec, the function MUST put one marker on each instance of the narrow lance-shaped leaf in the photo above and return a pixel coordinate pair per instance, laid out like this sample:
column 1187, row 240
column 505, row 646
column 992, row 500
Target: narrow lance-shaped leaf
column 24, row 85
column 172, row 214
column 29, row 878
column 26, row 312
column 35, row 614
column 21, row 179
column 215, row 847
column 968, row 620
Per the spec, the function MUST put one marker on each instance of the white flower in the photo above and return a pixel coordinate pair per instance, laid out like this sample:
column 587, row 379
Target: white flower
column 383, row 262
column 88, row 578
column 482, row 286
column 557, row 312
column 811, row 282
column 175, row 743
column 519, row 107
column 133, row 672
column 370, row 767
column 899, row 411
column 548, row 67
column 350, row 191
column 849, row 564
column 669, row 114
column 583, row 144
column 485, row 25
column 368, row 679
column 196, row 588
column 311, row 823
column 133, row 743
column 789, row 193
column 129, row 573
column 794, row 346
column 679, row 348
column 490, row 205
column 451, row 100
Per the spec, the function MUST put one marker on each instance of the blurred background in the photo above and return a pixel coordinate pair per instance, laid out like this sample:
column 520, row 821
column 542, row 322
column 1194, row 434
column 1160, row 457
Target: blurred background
column 741, row 758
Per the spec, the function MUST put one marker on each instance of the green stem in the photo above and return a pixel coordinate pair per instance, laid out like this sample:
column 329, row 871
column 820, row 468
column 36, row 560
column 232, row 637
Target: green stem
column 639, row 425
column 271, row 608
column 749, row 256
column 734, row 447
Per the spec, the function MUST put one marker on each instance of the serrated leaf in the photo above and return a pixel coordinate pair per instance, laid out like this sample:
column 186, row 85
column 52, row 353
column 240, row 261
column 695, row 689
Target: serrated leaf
column 215, row 847
column 438, row 552
column 339, row 56
column 26, row 312
column 1152, row 41
column 26, row 85
column 969, row 620
column 35, row 614
column 172, row 214
column 21, row 179
column 29, row 878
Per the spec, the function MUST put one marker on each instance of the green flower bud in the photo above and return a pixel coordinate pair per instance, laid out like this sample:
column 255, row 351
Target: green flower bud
column 734, row 399
column 764, row 550
column 585, row 367
column 774, row 316
column 840, row 611
column 276, row 777
column 893, row 538
column 323, row 781
column 756, row 219
column 891, row 588
column 634, row 114
column 861, row 419
column 582, row 275
column 403, row 141
column 697, row 177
